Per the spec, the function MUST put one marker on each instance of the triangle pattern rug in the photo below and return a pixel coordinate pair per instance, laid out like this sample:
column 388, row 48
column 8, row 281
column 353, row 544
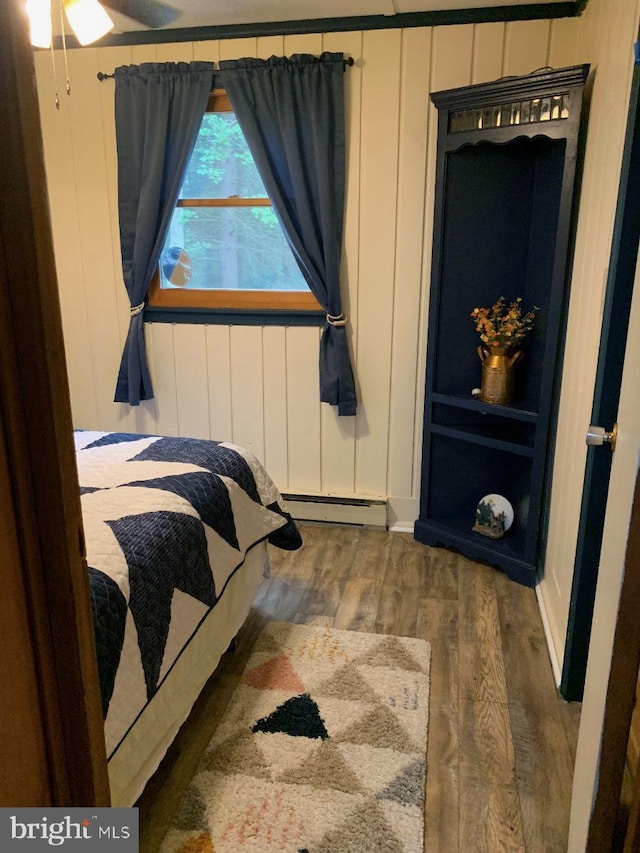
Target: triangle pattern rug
column 322, row 749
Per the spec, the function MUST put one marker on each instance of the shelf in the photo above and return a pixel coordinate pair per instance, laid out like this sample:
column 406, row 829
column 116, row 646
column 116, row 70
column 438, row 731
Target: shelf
column 456, row 533
column 482, row 440
column 461, row 473
column 470, row 403
column 480, row 421
column 512, row 544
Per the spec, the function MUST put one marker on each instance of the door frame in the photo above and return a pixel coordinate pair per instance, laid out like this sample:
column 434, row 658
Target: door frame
column 41, row 495
column 621, row 690
column 613, row 338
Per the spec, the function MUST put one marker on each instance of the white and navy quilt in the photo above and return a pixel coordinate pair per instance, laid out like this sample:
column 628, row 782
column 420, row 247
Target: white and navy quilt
column 167, row 522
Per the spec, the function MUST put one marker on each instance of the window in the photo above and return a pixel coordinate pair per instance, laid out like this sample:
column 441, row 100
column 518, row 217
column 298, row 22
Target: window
column 225, row 248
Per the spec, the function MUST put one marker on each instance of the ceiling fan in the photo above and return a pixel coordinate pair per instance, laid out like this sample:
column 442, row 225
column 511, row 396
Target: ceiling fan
column 149, row 13
column 89, row 20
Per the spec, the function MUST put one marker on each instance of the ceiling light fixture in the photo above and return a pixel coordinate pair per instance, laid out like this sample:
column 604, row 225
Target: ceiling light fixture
column 88, row 20
column 39, row 12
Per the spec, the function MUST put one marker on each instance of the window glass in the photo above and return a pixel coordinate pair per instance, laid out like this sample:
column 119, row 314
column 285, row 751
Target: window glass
column 221, row 164
column 232, row 248
column 224, row 237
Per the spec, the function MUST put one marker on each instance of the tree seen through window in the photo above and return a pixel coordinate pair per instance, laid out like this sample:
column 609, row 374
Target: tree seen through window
column 224, row 220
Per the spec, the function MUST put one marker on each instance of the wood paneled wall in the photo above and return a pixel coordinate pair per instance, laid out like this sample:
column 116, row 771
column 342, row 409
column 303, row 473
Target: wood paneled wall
column 605, row 34
column 258, row 386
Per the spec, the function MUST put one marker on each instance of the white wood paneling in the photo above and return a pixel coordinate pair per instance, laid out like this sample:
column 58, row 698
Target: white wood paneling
column 451, row 57
column 416, row 62
column 380, row 111
column 144, row 53
column 564, row 49
column 206, row 51
column 178, row 52
column 238, row 48
column 304, row 43
column 164, row 378
column 274, row 356
column 58, row 134
column 303, row 410
column 267, row 46
column 219, row 378
column 247, row 396
column 526, row 46
column 488, row 46
column 192, row 385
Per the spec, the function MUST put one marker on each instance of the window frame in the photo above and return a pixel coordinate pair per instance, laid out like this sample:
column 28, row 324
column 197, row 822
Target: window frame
column 172, row 304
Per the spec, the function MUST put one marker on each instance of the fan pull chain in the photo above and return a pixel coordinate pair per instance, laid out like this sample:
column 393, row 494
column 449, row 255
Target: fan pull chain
column 55, row 76
column 64, row 48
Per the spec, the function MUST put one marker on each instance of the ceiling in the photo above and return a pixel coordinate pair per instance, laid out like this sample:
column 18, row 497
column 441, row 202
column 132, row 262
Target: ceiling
column 201, row 13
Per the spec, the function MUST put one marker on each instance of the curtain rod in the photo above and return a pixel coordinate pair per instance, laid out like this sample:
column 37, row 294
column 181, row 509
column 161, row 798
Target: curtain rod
column 102, row 76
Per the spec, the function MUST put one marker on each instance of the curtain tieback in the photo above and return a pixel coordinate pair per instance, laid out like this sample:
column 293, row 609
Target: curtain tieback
column 338, row 320
column 136, row 309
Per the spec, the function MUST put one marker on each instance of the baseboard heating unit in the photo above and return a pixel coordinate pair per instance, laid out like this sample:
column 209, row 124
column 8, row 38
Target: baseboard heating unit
column 337, row 510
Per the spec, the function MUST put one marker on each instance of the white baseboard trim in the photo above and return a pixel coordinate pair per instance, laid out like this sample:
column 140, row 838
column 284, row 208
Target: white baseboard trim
column 402, row 513
column 395, row 514
column 553, row 656
column 333, row 509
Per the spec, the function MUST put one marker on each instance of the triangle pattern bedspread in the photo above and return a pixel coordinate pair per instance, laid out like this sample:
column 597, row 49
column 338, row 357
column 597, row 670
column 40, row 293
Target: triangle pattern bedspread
column 167, row 522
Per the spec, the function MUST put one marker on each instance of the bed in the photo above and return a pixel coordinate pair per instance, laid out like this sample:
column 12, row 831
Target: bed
column 176, row 533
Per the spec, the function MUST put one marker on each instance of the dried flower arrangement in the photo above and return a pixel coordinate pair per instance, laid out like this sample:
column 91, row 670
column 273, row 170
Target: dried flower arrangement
column 503, row 326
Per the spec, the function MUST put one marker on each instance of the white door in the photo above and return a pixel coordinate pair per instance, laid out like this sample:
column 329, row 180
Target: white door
column 614, row 541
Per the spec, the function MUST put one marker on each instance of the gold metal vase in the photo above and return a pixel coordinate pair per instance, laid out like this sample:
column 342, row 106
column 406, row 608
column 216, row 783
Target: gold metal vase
column 498, row 373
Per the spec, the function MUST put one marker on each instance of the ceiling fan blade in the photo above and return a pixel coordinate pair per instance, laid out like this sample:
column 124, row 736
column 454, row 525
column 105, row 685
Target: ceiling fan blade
column 149, row 13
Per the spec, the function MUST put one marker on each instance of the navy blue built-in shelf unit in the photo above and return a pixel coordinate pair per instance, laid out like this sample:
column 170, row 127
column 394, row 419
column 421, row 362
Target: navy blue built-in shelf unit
column 505, row 192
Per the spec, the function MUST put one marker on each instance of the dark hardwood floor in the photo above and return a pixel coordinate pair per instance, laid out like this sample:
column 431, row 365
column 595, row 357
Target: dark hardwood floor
column 501, row 743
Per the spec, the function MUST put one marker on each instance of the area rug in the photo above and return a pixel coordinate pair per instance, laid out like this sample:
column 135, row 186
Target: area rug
column 322, row 749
